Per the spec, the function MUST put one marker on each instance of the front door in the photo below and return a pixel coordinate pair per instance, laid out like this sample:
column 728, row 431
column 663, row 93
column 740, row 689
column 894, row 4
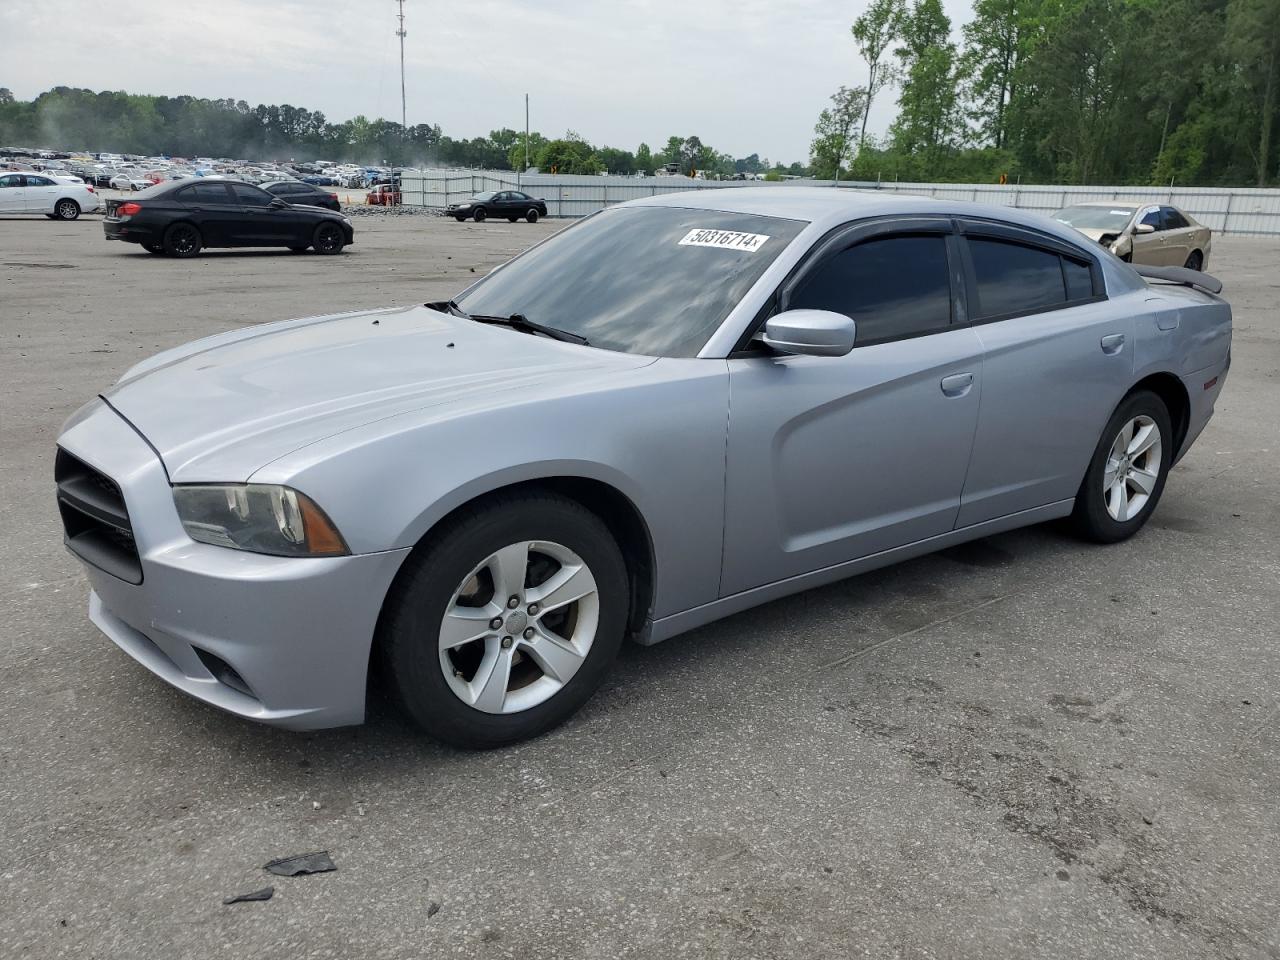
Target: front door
column 834, row 458
column 11, row 193
column 1151, row 248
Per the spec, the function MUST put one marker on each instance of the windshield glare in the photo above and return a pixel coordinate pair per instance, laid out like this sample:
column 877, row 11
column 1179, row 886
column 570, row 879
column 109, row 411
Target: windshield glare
column 650, row 280
column 1094, row 218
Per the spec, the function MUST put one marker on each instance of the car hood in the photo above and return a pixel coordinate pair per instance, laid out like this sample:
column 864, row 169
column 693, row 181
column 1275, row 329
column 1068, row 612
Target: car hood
column 1095, row 235
column 221, row 408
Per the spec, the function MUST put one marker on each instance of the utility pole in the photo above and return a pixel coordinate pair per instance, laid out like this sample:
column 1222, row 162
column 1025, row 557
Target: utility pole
column 526, row 134
column 404, row 125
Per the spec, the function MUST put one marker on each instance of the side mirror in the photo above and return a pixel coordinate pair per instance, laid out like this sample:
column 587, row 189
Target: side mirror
column 809, row 333
column 1144, row 228
column 278, row 204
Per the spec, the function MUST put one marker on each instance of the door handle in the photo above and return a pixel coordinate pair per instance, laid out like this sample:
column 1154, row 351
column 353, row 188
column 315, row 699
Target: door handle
column 957, row 385
column 1113, row 343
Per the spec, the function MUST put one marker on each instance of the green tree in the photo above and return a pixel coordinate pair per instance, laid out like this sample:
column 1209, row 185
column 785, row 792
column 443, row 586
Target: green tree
column 833, row 143
column 570, row 154
column 927, row 117
column 993, row 41
column 644, row 158
column 874, row 32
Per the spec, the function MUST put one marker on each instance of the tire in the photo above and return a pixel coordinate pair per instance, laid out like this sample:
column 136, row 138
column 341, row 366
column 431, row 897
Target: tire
column 512, row 219
column 1195, row 261
column 480, row 214
column 328, row 239
column 460, row 219
column 1097, row 515
column 182, row 240
column 453, row 703
column 532, row 215
column 67, row 209
column 153, row 248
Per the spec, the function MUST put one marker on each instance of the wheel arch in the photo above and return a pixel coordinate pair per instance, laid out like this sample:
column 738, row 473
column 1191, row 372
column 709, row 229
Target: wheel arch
column 611, row 505
column 1170, row 389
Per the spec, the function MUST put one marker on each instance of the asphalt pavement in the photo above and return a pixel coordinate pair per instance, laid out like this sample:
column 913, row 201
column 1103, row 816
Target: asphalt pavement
column 1021, row 747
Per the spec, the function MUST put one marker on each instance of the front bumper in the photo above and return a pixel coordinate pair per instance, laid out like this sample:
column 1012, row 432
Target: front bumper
column 281, row 640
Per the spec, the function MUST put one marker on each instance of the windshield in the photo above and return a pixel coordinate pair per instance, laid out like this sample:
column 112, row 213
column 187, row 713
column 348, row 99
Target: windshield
column 484, row 196
column 1094, row 218
column 651, row 280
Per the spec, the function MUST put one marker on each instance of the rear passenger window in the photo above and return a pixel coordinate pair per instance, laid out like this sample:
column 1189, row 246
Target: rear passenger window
column 1079, row 279
column 205, row 193
column 1173, row 220
column 1015, row 279
column 892, row 288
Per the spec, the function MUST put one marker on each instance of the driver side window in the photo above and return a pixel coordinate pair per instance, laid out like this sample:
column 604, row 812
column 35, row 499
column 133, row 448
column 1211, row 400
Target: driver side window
column 892, row 287
column 1152, row 217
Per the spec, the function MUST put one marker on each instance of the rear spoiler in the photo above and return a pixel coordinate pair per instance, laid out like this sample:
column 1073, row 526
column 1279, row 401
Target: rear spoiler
column 1188, row 278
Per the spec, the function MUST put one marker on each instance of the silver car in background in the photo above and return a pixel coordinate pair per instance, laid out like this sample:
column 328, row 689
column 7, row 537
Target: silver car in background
column 669, row 412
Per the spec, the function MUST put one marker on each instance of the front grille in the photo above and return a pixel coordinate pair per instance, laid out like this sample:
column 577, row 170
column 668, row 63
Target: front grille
column 95, row 520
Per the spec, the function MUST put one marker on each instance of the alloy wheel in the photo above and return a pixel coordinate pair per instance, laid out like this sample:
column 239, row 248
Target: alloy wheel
column 1132, row 469
column 519, row 627
column 328, row 238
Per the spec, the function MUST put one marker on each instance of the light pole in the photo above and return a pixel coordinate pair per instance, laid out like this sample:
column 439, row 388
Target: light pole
column 404, row 126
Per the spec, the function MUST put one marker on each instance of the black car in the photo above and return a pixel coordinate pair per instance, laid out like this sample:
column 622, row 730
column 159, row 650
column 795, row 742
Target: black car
column 511, row 204
column 182, row 217
column 295, row 191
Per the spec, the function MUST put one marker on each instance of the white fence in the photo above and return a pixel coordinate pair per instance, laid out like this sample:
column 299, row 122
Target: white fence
column 1225, row 210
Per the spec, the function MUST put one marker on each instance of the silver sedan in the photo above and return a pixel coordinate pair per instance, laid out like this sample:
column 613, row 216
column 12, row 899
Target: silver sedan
column 669, row 412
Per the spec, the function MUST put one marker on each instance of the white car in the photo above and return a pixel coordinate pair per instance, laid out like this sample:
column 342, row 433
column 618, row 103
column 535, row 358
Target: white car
column 128, row 181
column 36, row 193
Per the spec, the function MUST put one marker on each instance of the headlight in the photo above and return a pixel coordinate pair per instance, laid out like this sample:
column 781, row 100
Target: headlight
column 257, row 517
column 463, row 206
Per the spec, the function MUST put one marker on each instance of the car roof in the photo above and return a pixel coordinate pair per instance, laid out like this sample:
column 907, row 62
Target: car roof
column 1118, row 204
column 829, row 207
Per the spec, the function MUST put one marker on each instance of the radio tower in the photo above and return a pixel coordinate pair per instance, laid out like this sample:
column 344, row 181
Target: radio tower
column 404, row 126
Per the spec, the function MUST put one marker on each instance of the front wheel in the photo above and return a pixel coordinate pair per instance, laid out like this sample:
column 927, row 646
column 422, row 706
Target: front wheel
column 460, row 219
column 67, row 210
column 507, row 623
column 480, row 215
column 328, row 239
column 1127, row 474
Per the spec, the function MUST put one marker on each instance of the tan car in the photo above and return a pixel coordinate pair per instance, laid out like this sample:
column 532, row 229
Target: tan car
column 1155, row 234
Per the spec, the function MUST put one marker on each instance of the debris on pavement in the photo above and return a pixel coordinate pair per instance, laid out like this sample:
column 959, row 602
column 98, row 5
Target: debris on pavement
column 264, row 894
column 302, row 863
column 432, row 909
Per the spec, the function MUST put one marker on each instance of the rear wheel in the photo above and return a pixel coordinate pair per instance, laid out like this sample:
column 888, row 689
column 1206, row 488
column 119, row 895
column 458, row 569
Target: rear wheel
column 328, row 239
column 182, row 240
column 1195, row 261
column 1127, row 474
column 480, row 215
column 67, row 210
column 507, row 623
column 532, row 215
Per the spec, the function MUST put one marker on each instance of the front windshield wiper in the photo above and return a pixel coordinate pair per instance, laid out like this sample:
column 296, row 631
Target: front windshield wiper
column 517, row 321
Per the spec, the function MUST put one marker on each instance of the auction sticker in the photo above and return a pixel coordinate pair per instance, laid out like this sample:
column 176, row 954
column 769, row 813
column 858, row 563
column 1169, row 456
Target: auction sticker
column 725, row 239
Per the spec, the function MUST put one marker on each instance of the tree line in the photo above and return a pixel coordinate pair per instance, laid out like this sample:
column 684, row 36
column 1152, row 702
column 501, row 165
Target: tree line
column 74, row 119
column 1063, row 91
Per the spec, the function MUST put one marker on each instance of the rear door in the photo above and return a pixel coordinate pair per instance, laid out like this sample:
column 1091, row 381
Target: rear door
column 835, row 458
column 40, row 194
column 1179, row 236
column 211, row 207
column 1057, row 359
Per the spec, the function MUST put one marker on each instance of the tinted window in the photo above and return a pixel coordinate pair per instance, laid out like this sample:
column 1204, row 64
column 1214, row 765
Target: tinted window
column 250, row 196
column 39, row 181
column 650, row 280
column 518, row 196
column 1153, row 218
column 1079, row 279
column 894, row 287
column 12, row 180
column 1015, row 279
column 205, row 193
column 1173, row 220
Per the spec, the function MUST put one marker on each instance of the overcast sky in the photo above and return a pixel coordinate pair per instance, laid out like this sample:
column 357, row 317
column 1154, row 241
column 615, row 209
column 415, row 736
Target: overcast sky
column 744, row 75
